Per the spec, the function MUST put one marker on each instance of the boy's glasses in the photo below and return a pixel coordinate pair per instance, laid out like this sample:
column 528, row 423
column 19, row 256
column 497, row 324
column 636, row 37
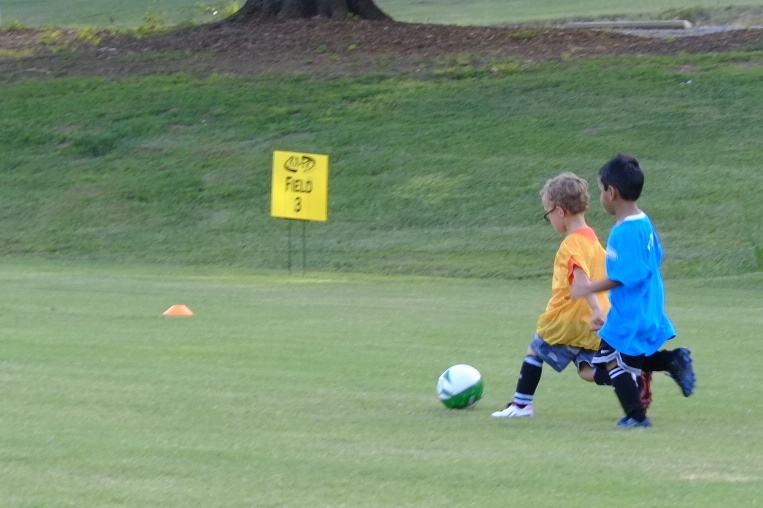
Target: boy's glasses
column 545, row 215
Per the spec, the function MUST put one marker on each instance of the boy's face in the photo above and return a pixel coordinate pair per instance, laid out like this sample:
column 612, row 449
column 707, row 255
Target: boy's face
column 554, row 215
column 607, row 196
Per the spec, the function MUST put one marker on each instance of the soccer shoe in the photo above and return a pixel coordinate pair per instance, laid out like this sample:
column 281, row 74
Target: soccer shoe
column 514, row 411
column 645, row 389
column 627, row 422
column 682, row 372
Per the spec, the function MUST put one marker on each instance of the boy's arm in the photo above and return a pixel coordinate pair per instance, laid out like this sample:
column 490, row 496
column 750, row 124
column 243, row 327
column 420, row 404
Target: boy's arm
column 581, row 288
column 597, row 317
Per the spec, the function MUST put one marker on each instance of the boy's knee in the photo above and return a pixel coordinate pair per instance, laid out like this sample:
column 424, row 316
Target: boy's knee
column 586, row 372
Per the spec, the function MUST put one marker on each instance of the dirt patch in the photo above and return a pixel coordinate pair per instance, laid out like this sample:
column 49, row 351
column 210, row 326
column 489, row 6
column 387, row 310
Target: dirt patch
column 332, row 48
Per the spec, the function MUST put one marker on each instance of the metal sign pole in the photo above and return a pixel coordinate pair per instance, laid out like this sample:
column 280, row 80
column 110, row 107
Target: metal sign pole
column 288, row 249
column 304, row 250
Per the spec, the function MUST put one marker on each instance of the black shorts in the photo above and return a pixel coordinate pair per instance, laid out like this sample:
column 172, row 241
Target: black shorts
column 608, row 354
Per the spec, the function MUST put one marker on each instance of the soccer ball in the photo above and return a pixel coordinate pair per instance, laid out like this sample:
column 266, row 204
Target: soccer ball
column 460, row 386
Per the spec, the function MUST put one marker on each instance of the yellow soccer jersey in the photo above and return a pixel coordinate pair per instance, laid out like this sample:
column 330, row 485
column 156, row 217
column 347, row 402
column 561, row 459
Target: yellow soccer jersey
column 568, row 321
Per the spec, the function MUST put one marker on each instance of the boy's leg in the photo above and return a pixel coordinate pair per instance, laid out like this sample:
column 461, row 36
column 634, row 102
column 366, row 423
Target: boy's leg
column 645, row 388
column 624, row 374
column 588, row 371
column 556, row 356
column 677, row 364
column 659, row 361
column 623, row 371
column 529, row 378
column 601, row 377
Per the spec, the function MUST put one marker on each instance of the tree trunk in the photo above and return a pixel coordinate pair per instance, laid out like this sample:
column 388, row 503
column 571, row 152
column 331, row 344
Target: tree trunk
column 295, row 9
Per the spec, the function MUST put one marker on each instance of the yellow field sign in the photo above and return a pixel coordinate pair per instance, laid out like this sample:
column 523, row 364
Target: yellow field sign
column 300, row 186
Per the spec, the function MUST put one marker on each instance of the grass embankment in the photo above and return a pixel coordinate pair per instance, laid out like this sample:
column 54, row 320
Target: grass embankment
column 428, row 176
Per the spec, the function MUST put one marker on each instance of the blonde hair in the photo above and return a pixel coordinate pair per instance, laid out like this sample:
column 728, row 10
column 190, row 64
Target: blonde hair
column 568, row 191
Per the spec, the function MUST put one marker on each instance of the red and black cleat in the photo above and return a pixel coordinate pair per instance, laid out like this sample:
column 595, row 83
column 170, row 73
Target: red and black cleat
column 645, row 388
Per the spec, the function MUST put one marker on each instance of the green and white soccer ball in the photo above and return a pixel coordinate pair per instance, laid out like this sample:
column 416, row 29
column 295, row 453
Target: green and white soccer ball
column 460, row 386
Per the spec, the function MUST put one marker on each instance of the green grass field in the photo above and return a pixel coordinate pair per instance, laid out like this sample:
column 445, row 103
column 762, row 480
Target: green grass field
column 479, row 12
column 319, row 391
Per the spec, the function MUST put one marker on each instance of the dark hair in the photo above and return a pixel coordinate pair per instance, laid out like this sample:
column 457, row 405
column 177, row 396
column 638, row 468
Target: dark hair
column 623, row 173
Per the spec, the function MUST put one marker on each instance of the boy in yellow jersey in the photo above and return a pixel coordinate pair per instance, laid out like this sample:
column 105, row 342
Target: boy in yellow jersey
column 566, row 331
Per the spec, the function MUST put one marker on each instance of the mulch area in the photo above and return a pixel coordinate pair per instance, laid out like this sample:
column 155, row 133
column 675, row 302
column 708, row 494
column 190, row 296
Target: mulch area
column 332, row 48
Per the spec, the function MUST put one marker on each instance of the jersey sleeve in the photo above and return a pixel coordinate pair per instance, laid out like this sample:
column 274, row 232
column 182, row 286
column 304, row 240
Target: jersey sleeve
column 571, row 265
column 626, row 255
column 575, row 259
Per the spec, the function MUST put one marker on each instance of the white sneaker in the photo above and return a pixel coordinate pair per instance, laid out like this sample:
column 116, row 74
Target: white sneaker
column 514, row 411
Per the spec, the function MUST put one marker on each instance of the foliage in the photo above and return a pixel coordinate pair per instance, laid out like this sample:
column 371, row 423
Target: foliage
column 154, row 21
column 90, row 35
column 15, row 53
column 16, row 25
column 51, row 37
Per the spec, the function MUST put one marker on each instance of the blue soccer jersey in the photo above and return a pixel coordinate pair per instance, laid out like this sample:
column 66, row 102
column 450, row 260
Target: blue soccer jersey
column 636, row 323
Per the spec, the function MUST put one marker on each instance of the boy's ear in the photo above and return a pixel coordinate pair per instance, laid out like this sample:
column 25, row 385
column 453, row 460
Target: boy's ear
column 611, row 192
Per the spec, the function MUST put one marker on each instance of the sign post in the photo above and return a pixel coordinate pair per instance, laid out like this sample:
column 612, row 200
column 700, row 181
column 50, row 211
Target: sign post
column 299, row 191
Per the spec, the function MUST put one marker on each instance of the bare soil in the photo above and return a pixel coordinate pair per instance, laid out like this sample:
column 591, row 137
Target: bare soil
column 332, row 48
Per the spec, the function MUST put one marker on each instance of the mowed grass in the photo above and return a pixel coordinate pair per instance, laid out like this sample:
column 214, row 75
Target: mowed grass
column 496, row 12
column 431, row 176
column 319, row 391
column 104, row 13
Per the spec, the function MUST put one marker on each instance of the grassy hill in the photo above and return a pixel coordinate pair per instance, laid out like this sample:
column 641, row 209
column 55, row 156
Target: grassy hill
column 434, row 176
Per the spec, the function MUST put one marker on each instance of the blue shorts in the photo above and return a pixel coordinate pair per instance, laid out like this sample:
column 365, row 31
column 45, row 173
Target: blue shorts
column 559, row 356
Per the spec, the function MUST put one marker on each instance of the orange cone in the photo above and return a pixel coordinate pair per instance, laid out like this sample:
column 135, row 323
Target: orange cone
column 178, row 310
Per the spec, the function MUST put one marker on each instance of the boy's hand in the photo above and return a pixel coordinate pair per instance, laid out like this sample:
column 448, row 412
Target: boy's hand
column 597, row 319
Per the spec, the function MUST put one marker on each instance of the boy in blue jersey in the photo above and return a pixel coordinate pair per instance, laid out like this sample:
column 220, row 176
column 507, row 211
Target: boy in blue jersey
column 636, row 325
